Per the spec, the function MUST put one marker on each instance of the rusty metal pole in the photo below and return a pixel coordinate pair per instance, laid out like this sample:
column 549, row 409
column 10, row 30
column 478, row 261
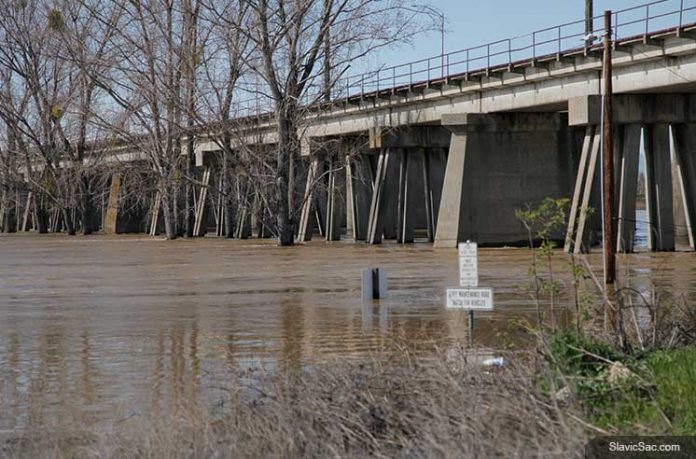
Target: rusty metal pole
column 608, row 153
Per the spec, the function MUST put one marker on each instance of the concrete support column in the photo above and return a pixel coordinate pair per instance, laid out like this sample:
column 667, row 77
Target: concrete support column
column 243, row 220
column 436, row 164
column 359, row 183
column 410, row 190
column 201, row 208
column 658, row 188
column 627, row 176
column 685, row 154
column 334, row 201
column 498, row 163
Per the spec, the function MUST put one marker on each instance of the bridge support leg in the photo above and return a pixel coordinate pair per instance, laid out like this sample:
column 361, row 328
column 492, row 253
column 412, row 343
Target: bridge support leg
column 334, row 201
column 27, row 212
column 436, row 162
column 379, row 220
column 658, row 188
column 578, row 191
column 409, row 167
column 628, row 159
column 154, row 213
column 685, row 155
column 201, row 212
column 358, row 190
column 499, row 163
column 428, row 196
column 307, row 217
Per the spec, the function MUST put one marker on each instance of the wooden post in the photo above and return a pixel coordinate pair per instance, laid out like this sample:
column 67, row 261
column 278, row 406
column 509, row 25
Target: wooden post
column 608, row 153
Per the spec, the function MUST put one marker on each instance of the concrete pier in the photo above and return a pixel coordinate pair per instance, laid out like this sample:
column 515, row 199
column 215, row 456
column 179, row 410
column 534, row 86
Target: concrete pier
column 498, row 163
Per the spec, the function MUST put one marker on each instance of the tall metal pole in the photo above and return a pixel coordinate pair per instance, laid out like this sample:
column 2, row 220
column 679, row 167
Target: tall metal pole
column 608, row 153
column 327, row 58
column 589, row 14
column 442, row 43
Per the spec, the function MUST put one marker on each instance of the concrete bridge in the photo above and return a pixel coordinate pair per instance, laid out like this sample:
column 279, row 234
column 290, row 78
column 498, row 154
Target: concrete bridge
column 451, row 146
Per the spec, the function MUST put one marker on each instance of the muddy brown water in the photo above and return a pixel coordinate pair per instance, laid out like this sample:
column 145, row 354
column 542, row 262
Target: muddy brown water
column 104, row 328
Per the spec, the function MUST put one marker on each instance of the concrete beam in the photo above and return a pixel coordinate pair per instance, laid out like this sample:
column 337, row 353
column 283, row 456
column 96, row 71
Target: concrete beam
column 409, row 137
column 634, row 109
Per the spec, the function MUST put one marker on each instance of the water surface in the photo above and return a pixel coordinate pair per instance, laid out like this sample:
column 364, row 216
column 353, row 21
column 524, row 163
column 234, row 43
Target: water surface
column 103, row 328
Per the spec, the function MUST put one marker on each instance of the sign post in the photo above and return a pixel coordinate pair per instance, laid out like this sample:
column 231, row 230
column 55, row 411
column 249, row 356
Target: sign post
column 469, row 297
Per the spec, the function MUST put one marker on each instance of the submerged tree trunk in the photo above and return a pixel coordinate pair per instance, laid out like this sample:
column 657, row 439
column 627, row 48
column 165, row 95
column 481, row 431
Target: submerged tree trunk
column 40, row 215
column 169, row 216
column 67, row 218
column 9, row 219
column 284, row 178
column 87, row 211
column 227, row 193
column 189, row 190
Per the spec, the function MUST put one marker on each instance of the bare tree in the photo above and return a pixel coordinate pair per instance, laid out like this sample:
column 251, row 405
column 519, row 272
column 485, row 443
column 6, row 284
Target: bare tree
column 304, row 47
column 154, row 89
column 51, row 51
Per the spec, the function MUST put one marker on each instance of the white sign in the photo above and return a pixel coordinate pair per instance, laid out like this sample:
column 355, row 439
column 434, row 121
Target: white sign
column 468, row 264
column 475, row 299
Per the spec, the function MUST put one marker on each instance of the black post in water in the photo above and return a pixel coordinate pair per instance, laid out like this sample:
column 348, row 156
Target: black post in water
column 376, row 294
column 470, row 313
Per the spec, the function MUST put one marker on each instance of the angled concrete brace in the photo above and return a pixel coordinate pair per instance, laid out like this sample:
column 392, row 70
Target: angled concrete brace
column 27, row 212
column 243, row 223
column 450, row 205
column 580, row 178
column 220, row 208
column 307, row 218
column 379, row 207
column 154, row 213
column 627, row 187
column 658, row 189
column 685, row 153
column 201, row 217
column 590, row 172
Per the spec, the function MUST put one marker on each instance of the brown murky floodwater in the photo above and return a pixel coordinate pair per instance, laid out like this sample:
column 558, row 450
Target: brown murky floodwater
column 106, row 328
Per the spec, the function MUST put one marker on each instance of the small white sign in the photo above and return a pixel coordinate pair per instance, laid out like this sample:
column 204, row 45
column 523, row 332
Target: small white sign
column 475, row 299
column 468, row 264
column 468, row 249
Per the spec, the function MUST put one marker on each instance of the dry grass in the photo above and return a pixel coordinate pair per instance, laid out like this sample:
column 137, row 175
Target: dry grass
column 393, row 406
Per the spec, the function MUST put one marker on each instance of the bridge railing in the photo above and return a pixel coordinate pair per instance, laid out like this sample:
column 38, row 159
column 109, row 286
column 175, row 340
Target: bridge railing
column 548, row 43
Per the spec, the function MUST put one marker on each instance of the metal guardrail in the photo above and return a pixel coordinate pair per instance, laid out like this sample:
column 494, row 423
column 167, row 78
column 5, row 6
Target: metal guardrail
column 557, row 40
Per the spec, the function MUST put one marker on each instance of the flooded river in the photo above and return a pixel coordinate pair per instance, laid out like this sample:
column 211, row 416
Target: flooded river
column 103, row 328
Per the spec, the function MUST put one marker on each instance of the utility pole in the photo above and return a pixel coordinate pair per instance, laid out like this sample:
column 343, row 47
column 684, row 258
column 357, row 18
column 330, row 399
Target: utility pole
column 608, row 153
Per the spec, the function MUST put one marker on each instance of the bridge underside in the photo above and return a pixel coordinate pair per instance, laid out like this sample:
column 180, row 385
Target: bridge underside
column 465, row 178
